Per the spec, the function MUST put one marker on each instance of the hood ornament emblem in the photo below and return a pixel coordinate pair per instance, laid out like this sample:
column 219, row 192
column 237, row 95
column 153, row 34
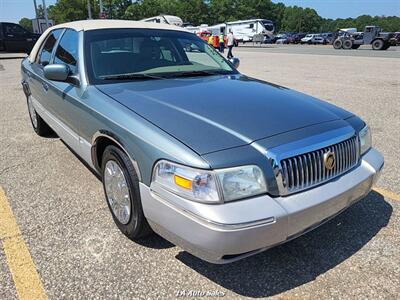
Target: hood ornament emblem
column 329, row 160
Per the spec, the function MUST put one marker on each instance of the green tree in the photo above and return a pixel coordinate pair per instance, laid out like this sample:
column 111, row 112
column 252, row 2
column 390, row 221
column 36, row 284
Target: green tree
column 193, row 11
column 26, row 23
column 114, row 9
column 68, row 10
column 40, row 11
column 298, row 19
column 286, row 18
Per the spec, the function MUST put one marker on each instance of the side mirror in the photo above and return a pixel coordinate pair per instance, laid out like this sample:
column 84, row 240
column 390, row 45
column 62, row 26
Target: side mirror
column 56, row 72
column 235, row 62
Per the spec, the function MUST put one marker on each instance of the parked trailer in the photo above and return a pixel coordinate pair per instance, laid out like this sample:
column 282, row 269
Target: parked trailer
column 244, row 31
column 165, row 19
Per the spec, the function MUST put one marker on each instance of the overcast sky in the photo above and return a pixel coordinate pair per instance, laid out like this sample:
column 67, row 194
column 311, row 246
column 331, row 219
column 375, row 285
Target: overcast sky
column 14, row 10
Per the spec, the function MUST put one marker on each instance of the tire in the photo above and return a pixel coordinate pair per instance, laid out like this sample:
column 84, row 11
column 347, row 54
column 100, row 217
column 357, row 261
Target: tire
column 135, row 225
column 355, row 46
column 38, row 124
column 337, row 44
column 347, row 44
column 378, row 44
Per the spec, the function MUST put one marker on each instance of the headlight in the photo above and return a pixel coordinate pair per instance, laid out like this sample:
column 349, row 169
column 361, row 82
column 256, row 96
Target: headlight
column 365, row 139
column 241, row 182
column 209, row 186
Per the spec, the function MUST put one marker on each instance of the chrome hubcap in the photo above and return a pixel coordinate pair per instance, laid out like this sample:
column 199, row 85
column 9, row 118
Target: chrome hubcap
column 117, row 191
column 32, row 112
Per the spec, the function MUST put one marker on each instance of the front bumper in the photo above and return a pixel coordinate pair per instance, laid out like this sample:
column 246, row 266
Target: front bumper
column 231, row 231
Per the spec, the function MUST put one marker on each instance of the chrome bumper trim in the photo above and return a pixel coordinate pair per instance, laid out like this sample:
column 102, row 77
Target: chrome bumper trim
column 231, row 231
column 222, row 226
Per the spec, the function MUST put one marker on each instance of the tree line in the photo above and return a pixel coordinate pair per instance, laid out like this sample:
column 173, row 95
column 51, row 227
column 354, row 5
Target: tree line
column 196, row 12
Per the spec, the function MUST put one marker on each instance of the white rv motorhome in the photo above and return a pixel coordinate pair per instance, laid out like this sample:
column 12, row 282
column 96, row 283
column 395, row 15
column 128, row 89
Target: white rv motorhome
column 244, row 30
column 166, row 19
column 198, row 29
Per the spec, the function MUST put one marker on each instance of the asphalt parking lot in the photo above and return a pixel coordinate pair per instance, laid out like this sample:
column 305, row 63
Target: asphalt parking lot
column 60, row 225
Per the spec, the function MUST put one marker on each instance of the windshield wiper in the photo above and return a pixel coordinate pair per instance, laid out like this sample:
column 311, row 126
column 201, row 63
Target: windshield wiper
column 130, row 76
column 197, row 73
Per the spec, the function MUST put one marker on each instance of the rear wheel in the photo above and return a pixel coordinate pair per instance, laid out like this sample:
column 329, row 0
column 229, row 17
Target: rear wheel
column 337, row 44
column 39, row 125
column 378, row 44
column 347, row 44
column 121, row 188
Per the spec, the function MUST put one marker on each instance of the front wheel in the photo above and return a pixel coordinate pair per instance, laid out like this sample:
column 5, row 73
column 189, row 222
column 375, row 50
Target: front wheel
column 121, row 188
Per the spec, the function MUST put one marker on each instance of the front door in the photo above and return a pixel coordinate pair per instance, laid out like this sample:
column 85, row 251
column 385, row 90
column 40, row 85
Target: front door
column 65, row 96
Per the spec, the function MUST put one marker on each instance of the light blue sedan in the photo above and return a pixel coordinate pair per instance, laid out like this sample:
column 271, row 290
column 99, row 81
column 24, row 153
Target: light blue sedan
column 221, row 164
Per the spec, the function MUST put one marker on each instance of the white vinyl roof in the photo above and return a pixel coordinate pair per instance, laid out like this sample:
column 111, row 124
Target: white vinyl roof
column 86, row 25
column 105, row 24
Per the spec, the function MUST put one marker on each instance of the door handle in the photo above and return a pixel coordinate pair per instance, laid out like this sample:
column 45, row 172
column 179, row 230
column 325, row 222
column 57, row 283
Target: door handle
column 45, row 86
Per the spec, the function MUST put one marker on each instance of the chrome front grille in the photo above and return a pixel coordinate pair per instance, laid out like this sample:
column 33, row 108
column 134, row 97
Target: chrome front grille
column 306, row 170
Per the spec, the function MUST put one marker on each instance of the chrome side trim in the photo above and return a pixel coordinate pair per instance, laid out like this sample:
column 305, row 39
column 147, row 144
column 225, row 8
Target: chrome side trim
column 116, row 140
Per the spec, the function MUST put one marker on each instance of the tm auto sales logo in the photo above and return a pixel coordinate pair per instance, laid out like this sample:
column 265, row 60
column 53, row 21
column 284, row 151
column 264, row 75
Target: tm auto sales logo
column 198, row 293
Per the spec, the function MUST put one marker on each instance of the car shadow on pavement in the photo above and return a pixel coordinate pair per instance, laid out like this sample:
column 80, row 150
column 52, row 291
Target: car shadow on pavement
column 300, row 261
column 155, row 241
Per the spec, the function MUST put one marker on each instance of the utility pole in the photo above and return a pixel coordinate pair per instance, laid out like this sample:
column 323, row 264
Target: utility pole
column 101, row 7
column 36, row 12
column 89, row 10
column 45, row 14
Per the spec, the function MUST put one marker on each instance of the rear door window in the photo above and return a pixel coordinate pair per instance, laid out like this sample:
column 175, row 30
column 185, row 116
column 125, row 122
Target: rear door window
column 67, row 50
column 47, row 49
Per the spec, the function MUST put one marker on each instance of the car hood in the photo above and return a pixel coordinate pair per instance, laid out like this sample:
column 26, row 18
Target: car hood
column 209, row 114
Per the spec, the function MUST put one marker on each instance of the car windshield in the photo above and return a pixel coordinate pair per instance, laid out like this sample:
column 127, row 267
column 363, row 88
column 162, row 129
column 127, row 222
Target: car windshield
column 143, row 54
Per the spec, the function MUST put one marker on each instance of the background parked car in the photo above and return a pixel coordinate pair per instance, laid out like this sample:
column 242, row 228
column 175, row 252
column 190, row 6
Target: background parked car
column 282, row 39
column 307, row 39
column 270, row 40
column 318, row 40
column 15, row 38
column 296, row 38
column 328, row 36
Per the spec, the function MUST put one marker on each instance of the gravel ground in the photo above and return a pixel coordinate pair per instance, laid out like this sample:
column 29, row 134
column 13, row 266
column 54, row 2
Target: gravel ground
column 79, row 253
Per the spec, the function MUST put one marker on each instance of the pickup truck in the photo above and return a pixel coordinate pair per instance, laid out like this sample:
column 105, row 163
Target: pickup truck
column 15, row 38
